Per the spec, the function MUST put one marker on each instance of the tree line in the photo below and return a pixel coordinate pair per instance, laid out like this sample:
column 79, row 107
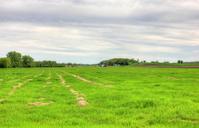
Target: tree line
column 127, row 61
column 118, row 62
column 15, row 59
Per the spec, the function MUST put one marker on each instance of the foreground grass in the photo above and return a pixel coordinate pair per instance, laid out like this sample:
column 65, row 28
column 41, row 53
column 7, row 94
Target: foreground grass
column 117, row 97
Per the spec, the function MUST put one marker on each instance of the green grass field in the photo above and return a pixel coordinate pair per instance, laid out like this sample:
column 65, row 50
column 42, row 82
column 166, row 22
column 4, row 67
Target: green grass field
column 91, row 97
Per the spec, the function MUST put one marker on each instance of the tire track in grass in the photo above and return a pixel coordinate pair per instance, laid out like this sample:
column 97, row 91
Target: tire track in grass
column 88, row 81
column 14, row 88
column 18, row 86
column 41, row 101
column 48, row 80
column 39, row 104
column 81, row 101
column 13, row 80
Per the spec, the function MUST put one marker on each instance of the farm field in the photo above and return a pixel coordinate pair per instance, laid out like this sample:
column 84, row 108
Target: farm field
column 93, row 97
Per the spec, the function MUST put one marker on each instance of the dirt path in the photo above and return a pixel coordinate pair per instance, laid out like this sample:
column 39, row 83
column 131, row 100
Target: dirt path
column 81, row 101
column 40, row 102
column 88, row 81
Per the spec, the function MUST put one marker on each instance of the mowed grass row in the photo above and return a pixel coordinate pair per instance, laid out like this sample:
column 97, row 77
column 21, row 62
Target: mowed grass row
column 117, row 97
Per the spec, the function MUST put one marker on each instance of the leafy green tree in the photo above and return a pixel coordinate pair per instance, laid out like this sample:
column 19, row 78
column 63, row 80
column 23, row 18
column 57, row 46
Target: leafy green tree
column 27, row 61
column 5, row 62
column 180, row 62
column 118, row 62
column 48, row 63
column 38, row 64
column 15, row 58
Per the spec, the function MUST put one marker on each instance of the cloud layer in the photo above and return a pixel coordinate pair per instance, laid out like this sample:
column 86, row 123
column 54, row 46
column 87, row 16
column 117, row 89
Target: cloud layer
column 87, row 31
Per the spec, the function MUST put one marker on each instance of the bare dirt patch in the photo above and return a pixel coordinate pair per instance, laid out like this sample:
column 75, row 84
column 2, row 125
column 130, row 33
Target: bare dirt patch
column 173, row 78
column 82, row 79
column 81, row 101
column 62, row 80
column 187, row 120
column 80, row 98
column 191, row 120
column 19, row 85
column 88, row 81
column 38, row 104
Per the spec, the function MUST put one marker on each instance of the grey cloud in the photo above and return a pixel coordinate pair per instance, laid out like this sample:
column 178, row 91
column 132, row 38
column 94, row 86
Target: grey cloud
column 97, row 29
column 117, row 11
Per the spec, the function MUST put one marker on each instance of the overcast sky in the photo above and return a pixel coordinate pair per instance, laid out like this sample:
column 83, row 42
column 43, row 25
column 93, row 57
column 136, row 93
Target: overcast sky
column 87, row 31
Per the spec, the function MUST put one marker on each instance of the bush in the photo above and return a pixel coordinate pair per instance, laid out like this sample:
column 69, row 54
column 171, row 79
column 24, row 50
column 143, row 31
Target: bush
column 118, row 62
column 5, row 63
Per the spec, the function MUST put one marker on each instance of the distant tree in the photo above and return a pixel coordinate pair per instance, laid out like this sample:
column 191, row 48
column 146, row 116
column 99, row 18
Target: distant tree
column 38, row 64
column 144, row 61
column 166, row 62
column 15, row 58
column 27, row 61
column 155, row 62
column 118, row 62
column 5, row 63
column 48, row 63
column 180, row 62
column 69, row 65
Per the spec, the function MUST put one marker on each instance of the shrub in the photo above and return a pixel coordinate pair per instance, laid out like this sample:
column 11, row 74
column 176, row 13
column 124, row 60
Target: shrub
column 5, row 63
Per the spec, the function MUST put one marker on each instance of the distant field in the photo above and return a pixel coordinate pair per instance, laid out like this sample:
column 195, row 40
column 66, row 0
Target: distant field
column 168, row 65
column 91, row 97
